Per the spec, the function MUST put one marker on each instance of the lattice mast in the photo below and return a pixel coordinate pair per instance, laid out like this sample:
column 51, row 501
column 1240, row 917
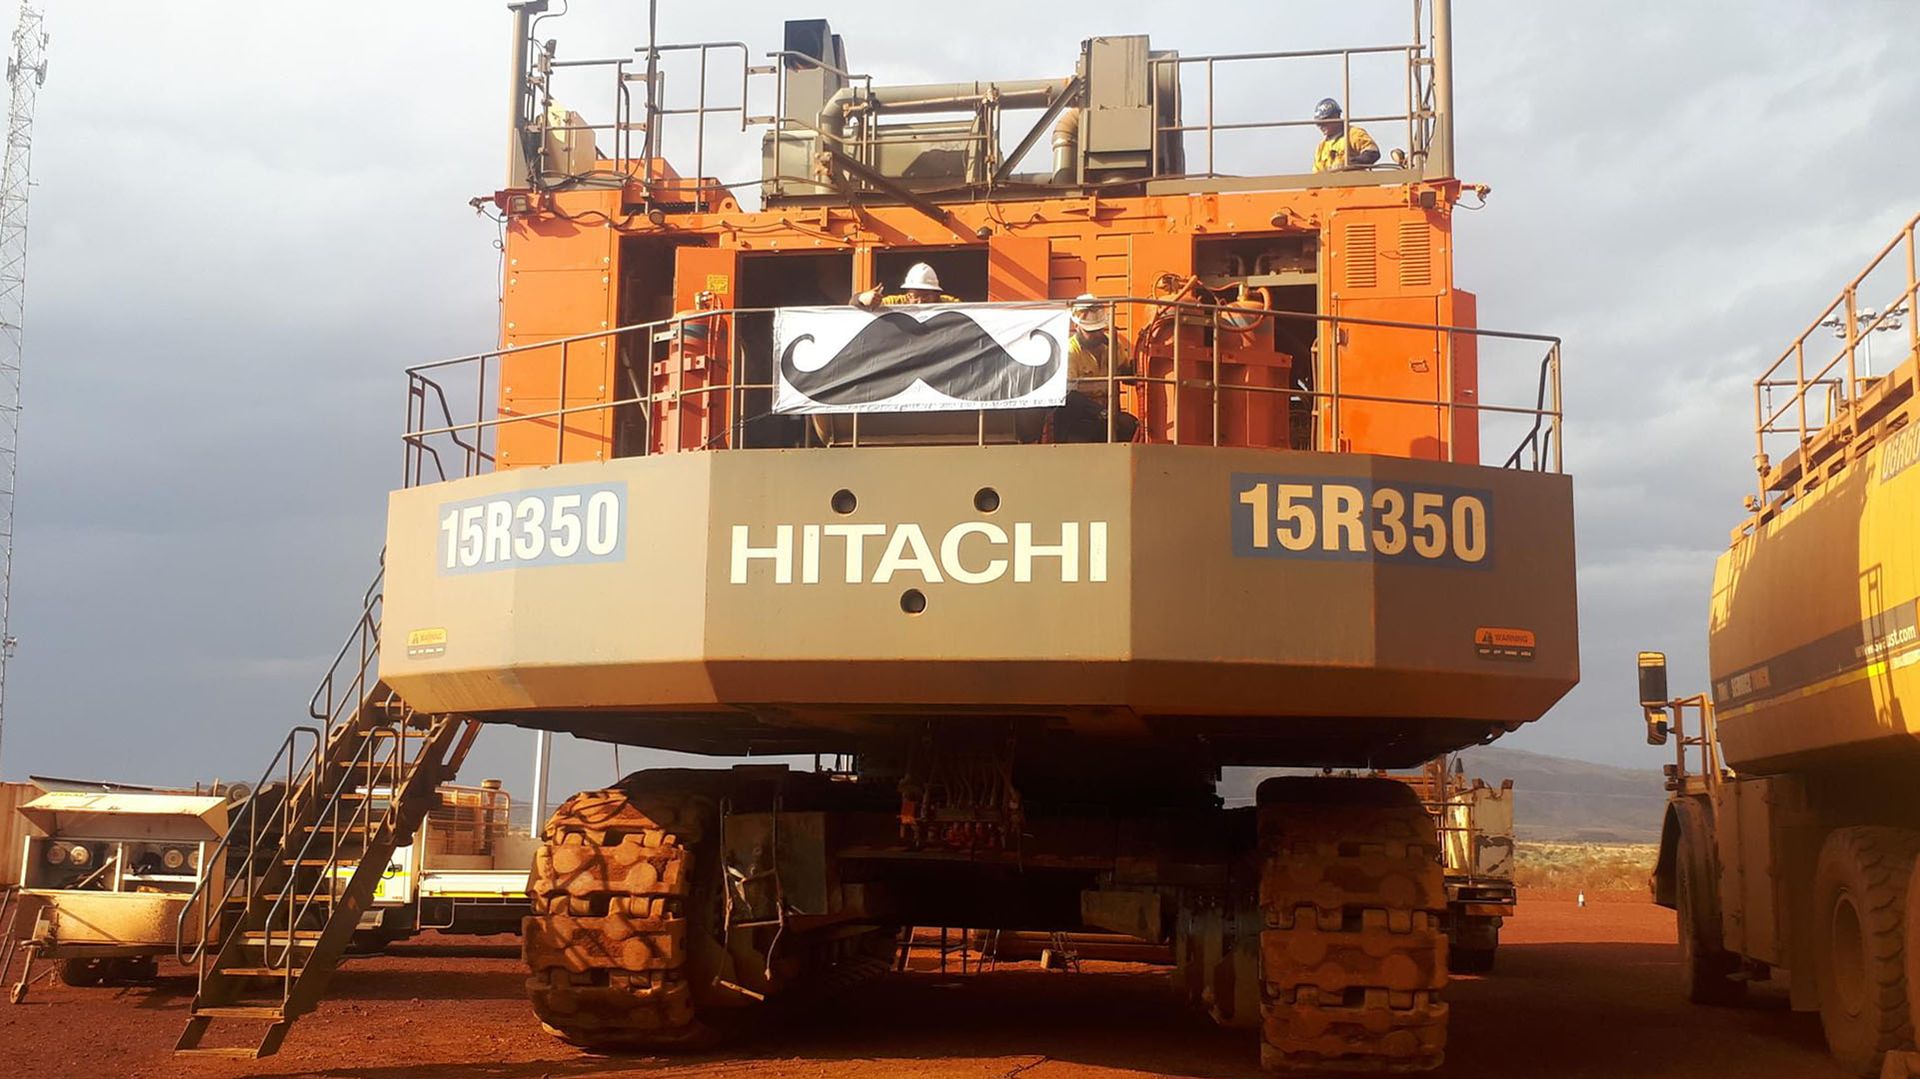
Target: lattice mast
column 26, row 73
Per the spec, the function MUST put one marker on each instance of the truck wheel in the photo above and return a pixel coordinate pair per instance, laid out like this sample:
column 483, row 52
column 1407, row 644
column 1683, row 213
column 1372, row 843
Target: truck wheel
column 615, row 914
column 1860, row 900
column 83, row 973
column 1913, row 960
column 1471, row 960
column 1352, row 959
column 1706, row 969
column 1472, row 945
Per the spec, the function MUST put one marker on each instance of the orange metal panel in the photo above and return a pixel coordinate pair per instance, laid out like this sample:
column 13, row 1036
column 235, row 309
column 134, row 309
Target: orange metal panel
column 525, row 443
column 544, row 304
column 554, row 243
column 533, row 369
column 709, row 276
column 1018, row 268
column 1461, row 308
column 559, row 284
column 1407, row 365
column 1386, row 253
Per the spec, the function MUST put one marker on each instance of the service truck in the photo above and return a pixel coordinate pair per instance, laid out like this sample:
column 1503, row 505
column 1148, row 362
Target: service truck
column 1792, row 831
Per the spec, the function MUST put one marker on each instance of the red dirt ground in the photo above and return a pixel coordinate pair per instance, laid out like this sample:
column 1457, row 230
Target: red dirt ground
column 1579, row 993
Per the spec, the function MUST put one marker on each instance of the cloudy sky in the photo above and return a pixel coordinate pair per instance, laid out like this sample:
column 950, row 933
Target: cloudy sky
column 248, row 221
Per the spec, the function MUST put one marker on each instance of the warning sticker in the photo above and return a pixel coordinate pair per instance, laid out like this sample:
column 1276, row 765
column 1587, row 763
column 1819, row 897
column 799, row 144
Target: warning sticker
column 719, row 282
column 426, row 643
column 1496, row 642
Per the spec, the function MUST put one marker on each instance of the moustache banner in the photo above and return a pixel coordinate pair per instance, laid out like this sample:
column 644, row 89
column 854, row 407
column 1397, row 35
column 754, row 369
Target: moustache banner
column 927, row 358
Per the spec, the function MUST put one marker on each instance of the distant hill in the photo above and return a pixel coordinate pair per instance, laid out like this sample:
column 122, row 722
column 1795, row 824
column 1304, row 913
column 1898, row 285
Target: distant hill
column 1561, row 800
column 1556, row 799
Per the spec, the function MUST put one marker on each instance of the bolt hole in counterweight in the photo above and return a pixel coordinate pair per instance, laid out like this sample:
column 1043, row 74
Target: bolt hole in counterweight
column 913, row 601
column 843, row 502
column 986, row 500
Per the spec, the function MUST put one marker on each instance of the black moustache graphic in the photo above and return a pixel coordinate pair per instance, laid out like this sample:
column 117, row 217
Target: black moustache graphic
column 949, row 352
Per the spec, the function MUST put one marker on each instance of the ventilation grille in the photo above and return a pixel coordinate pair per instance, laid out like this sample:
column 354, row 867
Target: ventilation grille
column 1416, row 255
column 1363, row 250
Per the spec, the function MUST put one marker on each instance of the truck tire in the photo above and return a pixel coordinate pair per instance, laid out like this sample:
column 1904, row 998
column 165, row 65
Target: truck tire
column 84, row 973
column 1913, row 960
column 615, row 906
column 1353, row 958
column 1706, row 969
column 1471, row 960
column 1860, row 900
column 1472, row 945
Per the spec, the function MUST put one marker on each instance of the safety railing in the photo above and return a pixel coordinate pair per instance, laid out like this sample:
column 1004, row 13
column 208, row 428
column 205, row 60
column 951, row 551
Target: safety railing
column 1179, row 358
column 237, row 871
column 288, row 785
column 1820, row 401
column 679, row 119
column 1697, row 766
column 1414, row 118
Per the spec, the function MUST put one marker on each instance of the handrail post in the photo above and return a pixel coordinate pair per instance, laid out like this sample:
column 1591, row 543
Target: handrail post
column 1559, row 414
column 1408, row 58
column 679, row 383
column 1800, row 387
column 479, row 410
column 1110, row 367
column 1214, row 390
column 560, row 421
column 1912, row 297
column 1333, row 384
column 1210, row 169
column 1173, row 420
column 1346, row 109
column 1853, row 340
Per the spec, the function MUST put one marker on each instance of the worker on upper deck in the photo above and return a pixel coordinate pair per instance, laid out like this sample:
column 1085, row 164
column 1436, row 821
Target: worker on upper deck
column 1342, row 145
column 1094, row 351
column 920, row 285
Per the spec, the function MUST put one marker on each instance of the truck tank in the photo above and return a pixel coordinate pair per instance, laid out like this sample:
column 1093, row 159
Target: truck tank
column 1165, row 470
column 1792, row 834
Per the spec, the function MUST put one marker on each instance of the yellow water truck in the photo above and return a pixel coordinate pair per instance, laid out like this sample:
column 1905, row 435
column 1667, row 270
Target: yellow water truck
column 1793, row 828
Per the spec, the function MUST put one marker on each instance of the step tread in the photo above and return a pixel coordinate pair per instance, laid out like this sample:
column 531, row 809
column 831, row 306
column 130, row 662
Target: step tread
column 259, row 972
column 224, row 1051
column 240, row 1011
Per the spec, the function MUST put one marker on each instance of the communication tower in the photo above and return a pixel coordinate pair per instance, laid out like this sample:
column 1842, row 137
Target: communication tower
column 26, row 72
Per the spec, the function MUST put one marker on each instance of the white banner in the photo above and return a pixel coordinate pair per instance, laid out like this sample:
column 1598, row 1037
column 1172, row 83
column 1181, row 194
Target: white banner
column 920, row 358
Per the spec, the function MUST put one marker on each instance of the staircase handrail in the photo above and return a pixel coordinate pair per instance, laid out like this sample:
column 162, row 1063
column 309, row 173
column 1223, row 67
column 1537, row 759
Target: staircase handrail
column 366, row 637
column 209, row 909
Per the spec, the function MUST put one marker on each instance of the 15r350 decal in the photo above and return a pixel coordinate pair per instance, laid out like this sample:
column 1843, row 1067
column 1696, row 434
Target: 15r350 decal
column 1361, row 520
column 545, row 527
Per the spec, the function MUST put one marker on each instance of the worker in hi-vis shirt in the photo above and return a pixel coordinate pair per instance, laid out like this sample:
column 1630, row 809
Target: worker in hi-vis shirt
column 1342, row 146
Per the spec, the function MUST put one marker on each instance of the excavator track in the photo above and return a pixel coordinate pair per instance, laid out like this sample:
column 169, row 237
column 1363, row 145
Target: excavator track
column 614, row 903
column 1352, row 954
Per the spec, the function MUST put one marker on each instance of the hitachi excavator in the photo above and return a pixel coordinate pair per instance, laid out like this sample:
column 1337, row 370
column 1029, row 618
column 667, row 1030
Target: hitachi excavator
column 1191, row 461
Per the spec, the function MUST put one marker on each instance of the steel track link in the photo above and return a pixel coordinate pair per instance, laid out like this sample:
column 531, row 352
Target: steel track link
column 1352, row 955
column 606, row 946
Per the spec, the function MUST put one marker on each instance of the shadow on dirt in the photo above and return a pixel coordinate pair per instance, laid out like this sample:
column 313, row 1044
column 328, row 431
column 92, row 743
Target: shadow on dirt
column 1550, row 1011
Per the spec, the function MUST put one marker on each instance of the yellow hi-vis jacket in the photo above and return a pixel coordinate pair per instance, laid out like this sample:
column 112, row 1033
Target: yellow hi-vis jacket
column 1332, row 154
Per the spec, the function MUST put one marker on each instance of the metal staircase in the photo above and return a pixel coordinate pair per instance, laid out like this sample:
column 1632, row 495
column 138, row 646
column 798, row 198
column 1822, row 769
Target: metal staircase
column 280, row 898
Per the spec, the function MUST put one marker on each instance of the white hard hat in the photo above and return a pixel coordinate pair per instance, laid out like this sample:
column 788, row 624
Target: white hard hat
column 1089, row 313
column 921, row 278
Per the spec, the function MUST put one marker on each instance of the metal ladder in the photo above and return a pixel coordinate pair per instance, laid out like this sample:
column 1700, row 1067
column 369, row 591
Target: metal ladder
column 280, row 898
